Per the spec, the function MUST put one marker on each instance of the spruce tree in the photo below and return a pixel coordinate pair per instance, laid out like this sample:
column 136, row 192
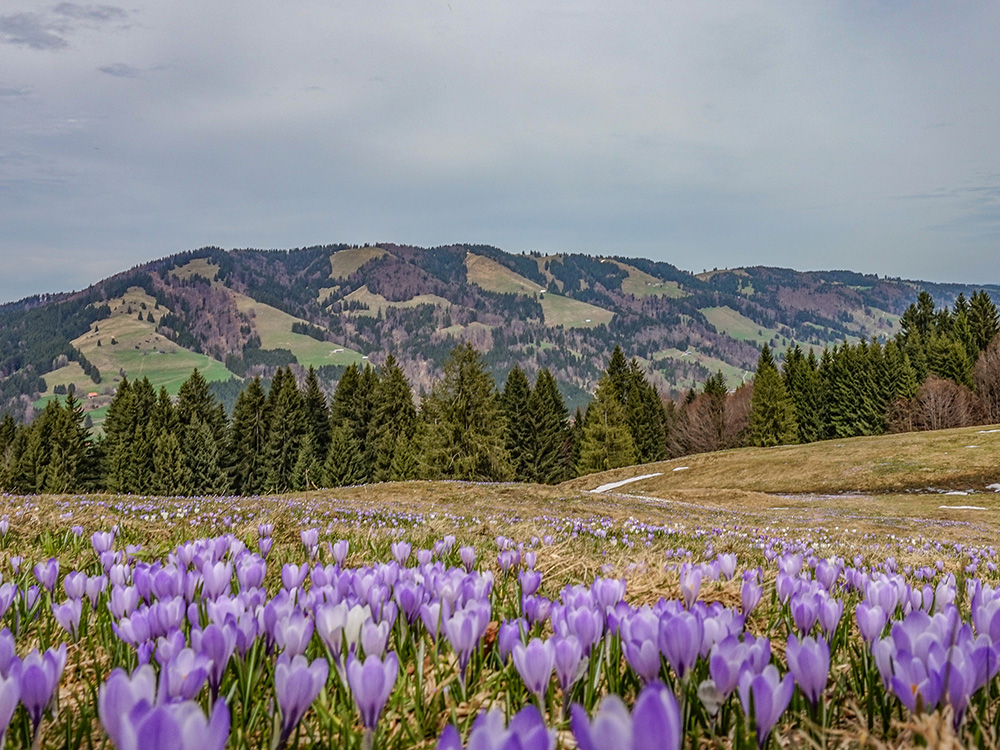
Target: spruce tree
column 772, row 414
column 343, row 465
column 307, row 473
column 644, row 414
column 317, row 412
column 171, row 475
column 248, row 439
column 550, row 449
column 516, row 393
column 287, row 426
column 947, row 357
column 205, row 462
column 353, row 407
column 464, row 425
column 983, row 319
column 606, row 441
column 805, row 387
column 394, row 420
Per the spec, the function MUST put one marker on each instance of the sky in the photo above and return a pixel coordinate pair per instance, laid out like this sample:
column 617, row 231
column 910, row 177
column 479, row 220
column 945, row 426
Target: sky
column 812, row 135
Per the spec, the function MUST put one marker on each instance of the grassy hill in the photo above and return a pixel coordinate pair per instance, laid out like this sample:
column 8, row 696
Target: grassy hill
column 246, row 311
column 960, row 459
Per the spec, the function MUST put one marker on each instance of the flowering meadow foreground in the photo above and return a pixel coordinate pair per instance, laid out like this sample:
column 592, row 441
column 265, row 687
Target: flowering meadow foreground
column 285, row 622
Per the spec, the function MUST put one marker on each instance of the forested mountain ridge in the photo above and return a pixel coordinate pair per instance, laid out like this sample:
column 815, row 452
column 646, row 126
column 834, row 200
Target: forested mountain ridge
column 239, row 312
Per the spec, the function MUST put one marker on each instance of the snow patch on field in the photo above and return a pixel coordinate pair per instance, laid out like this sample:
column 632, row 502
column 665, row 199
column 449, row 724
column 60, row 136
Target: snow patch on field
column 961, row 507
column 682, row 468
column 615, row 485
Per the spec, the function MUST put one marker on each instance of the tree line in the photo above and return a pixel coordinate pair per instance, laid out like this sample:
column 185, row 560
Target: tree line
column 942, row 369
column 292, row 437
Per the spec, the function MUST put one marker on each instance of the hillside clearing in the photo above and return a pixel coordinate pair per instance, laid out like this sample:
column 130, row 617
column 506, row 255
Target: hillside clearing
column 345, row 262
column 572, row 313
column 494, row 277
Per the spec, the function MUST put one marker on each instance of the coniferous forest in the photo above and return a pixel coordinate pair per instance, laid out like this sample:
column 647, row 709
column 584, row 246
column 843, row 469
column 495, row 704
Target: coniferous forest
column 941, row 370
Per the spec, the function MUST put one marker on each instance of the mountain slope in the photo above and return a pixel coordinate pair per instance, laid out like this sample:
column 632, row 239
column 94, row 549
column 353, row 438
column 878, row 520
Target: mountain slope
column 242, row 312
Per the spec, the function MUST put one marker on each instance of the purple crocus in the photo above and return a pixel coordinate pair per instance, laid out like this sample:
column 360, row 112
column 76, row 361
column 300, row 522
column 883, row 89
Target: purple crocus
column 340, row 549
column 569, row 661
column 655, row 722
column 183, row 726
column 10, row 694
column 768, row 694
column 67, row 615
column 809, row 663
column 119, row 695
column 871, row 620
column 679, row 639
column 184, row 675
column 371, row 683
column 526, row 731
column 296, row 684
column 40, row 676
column 535, row 663
column 47, row 573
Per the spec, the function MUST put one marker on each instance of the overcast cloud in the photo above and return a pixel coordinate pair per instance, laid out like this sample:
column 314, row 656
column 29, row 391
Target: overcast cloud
column 855, row 135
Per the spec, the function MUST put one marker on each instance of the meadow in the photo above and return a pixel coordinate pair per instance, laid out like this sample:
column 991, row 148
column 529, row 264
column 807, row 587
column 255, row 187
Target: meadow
column 721, row 608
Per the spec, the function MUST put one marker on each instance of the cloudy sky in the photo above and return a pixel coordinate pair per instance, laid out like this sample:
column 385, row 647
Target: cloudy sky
column 833, row 134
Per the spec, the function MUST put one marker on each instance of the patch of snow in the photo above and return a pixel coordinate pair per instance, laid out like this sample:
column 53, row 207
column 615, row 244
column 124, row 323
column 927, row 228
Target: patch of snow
column 972, row 446
column 957, row 492
column 681, row 468
column 986, row 432
column 995, row 486
column 961, row 507
column 615, row 485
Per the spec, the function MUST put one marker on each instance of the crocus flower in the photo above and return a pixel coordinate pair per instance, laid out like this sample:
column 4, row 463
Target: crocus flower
column 371, row 683
column 526, row 731
column 184, row 675
column 67, row 615
column 655, row 722
column 10, row 694
column 182, row 726
column 534, row 663
column 809, row 663
column 871, row 620
column 769, row 695
column 40, row 676
column 296, row 684
column 47, row 573
column 340, row 551
column 119, row 695
column 569, row 662
column 679, row 639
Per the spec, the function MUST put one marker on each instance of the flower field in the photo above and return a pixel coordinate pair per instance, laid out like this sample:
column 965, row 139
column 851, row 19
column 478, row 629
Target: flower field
column 134, row 622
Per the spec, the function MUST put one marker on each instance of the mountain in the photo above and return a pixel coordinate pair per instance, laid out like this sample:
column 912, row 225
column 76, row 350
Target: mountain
column 239, row 312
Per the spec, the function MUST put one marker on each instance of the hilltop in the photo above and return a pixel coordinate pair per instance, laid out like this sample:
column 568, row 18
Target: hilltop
column 238, row 312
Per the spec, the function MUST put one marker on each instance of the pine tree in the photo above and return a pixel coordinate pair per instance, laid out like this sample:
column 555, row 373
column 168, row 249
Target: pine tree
column 948, row 358
column 550, row 445
column 394, row 420
column 805, row 387
column 465, row 430
column 204, row 462
column 516, row 393
column 307, row 473
column 983, row 319
column 317, row 413
column 352, row 407
column 644, row 414
column 248, row 439
column 171, row 475
column 772, row 414
column 343, row 465
column 606, row 442
column 287, row 426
